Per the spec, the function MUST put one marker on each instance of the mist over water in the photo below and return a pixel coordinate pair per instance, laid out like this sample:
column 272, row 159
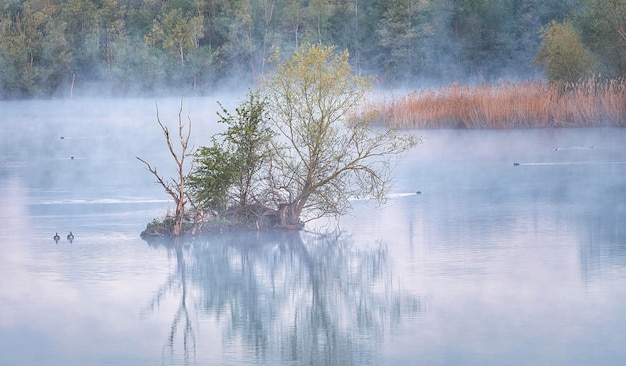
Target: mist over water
column 493, row 263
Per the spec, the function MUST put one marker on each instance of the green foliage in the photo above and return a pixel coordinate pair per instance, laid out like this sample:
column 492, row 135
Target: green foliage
column 603, row 27
column 191, row 46
column 227, row 173
column 176, row 34
column 326, row 161
column 82, row 24
column 33, row 57
column 562, row 53
column 212, row 177
column 157, row 227
column 248, row 138
column 289, row 153
column 484, row 30
column 402, row 32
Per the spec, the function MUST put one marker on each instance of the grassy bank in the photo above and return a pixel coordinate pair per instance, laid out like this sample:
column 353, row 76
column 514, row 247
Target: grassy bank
column 506, row 105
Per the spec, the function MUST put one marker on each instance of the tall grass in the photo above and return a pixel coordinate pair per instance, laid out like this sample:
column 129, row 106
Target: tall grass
column 507, row 105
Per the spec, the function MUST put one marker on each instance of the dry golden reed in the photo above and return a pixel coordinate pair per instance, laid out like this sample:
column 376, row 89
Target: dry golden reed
column 506, row 105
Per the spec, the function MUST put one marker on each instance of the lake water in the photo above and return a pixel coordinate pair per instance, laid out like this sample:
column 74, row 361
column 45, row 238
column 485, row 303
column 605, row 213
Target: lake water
column 492, row 264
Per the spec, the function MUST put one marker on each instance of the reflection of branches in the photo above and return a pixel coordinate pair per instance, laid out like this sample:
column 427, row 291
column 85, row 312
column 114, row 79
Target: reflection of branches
column 189, row 337
column 302, row 298
column 351, row 301
column 174, row 281
column 290, row 296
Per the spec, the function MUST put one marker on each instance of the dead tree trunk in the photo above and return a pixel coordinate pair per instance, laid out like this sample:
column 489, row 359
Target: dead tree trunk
column 175, row 187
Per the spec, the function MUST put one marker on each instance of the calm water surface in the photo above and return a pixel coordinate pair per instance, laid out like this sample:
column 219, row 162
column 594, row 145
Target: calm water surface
column 492, row 264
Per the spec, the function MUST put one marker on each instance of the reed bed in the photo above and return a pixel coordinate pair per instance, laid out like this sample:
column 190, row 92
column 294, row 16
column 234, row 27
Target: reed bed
column 506, row 105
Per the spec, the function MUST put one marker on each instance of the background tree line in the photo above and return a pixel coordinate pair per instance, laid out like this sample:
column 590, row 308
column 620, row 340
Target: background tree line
column 145, row 46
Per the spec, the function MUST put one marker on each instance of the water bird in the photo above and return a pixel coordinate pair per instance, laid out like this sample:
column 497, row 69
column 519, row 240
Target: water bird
column 590, row 147
column 418, row 192
column 70, row 236
column 72, row 158
column 56, row 237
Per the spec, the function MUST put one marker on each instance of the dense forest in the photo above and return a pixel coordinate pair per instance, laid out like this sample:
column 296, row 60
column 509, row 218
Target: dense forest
column 129, row 47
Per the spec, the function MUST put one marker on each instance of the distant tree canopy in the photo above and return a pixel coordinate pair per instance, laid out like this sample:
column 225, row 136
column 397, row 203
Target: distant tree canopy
column 562, row 53
column 128, row 47
column 602, row 25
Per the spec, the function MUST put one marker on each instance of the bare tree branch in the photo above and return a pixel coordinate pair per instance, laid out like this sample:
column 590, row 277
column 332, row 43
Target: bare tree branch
column 176, row 186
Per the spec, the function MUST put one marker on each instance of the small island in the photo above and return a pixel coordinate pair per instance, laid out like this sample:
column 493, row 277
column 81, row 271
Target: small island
column 293, row 151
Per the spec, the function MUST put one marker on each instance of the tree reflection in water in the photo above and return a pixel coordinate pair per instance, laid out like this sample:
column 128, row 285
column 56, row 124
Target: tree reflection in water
column 176, row 283
column 292, row 297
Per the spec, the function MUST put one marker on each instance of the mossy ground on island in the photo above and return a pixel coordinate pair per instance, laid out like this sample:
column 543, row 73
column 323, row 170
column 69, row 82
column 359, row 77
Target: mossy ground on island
column 160, row 227
column 249, row 218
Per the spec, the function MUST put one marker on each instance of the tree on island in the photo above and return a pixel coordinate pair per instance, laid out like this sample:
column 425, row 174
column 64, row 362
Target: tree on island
column 229, row 179
column 324, row 158
column 296, row 150
column 175, row 187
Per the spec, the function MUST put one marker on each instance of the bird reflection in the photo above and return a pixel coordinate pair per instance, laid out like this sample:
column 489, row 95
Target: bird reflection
column 295, row 297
